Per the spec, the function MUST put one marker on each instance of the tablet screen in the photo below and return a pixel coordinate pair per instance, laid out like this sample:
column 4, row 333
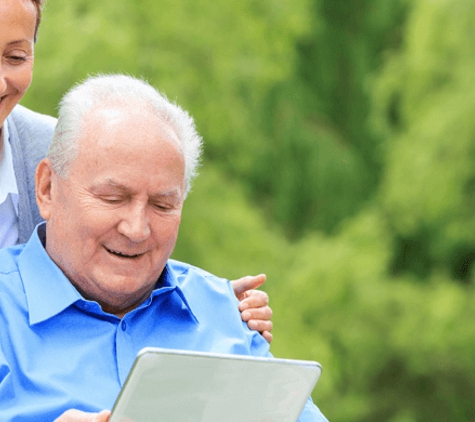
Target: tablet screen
column 181, row 386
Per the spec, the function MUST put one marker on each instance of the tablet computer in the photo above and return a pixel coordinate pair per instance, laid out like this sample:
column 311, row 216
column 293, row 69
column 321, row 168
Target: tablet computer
column 182, row 386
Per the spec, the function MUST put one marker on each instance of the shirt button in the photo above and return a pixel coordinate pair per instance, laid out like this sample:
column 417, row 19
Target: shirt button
column 124, row 326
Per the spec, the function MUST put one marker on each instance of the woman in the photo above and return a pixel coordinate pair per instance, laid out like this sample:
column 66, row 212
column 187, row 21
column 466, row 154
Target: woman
column 24, row 135
column 24, row 140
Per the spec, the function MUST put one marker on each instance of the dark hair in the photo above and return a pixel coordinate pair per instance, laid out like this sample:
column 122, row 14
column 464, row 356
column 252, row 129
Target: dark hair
column 38, row 5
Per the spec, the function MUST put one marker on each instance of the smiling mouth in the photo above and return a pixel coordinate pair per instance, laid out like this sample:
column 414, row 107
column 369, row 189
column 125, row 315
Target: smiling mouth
column 123, row 255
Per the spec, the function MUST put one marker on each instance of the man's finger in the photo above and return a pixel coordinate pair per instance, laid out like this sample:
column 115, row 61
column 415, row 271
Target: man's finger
column 244, row 284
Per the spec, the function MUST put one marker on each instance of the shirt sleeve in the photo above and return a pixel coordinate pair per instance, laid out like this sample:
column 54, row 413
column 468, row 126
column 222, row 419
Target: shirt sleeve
column 311, row 413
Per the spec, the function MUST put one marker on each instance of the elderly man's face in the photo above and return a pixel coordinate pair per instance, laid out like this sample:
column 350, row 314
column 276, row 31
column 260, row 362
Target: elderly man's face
column 113, row 223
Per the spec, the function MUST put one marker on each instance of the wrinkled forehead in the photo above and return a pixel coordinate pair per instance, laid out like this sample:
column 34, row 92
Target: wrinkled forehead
column 138, row 123
column 128, row 144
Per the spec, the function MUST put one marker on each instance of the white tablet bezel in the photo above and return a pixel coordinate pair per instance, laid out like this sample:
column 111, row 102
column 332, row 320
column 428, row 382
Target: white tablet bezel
column 183, row 386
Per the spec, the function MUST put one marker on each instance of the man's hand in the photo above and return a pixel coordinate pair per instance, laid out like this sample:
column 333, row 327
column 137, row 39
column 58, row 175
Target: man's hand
column 254, row 304
column 74, row 415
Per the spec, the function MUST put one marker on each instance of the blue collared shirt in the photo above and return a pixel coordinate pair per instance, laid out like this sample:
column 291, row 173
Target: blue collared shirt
column 59, row 351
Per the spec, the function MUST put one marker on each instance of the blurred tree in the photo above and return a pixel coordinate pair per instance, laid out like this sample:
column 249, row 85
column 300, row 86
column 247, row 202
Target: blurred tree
column 322, row 160
column 424, row 105
column 222, row 232
column 392, row 349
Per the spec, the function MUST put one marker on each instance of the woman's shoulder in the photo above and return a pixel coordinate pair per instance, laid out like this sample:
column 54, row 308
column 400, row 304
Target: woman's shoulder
column 30, row 131
column 29, row 134
column 25, row 118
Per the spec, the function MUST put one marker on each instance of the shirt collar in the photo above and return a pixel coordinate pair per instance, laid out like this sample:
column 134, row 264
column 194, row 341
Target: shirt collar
column 7, row 172
column 49, row 291
column 169, row 280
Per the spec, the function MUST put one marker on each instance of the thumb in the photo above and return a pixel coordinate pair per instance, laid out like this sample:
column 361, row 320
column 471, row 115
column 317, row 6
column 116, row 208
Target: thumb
column 242, row 285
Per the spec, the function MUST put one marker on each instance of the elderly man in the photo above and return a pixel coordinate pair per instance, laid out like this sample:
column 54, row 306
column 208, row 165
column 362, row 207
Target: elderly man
column 25, row 137
column 95, row 284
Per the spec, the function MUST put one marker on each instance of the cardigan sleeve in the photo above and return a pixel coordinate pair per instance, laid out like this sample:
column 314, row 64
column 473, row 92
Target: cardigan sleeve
column 30, row 136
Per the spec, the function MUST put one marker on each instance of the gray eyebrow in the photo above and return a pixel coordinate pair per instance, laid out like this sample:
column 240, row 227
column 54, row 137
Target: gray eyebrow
column 166, row 194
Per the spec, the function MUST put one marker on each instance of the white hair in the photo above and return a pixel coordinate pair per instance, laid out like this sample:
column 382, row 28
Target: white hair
column 119, row 90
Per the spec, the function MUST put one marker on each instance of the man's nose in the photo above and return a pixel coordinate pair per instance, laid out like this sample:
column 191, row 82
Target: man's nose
column 134, row 224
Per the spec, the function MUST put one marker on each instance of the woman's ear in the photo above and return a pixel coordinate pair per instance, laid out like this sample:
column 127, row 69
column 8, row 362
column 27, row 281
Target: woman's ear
column 44, row 175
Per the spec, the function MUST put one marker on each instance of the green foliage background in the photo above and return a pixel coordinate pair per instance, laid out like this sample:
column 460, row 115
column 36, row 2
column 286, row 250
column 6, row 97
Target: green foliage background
column 339, row 160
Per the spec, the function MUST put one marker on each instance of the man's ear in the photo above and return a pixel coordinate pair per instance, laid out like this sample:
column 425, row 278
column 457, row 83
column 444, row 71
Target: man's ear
column 44, row 176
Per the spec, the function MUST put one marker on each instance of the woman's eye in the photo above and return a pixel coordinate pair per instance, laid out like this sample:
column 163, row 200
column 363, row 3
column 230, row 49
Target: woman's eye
column 16, row 59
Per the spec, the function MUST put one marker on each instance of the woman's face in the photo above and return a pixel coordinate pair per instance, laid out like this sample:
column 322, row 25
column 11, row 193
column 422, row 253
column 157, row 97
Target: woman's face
column 17, row 30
